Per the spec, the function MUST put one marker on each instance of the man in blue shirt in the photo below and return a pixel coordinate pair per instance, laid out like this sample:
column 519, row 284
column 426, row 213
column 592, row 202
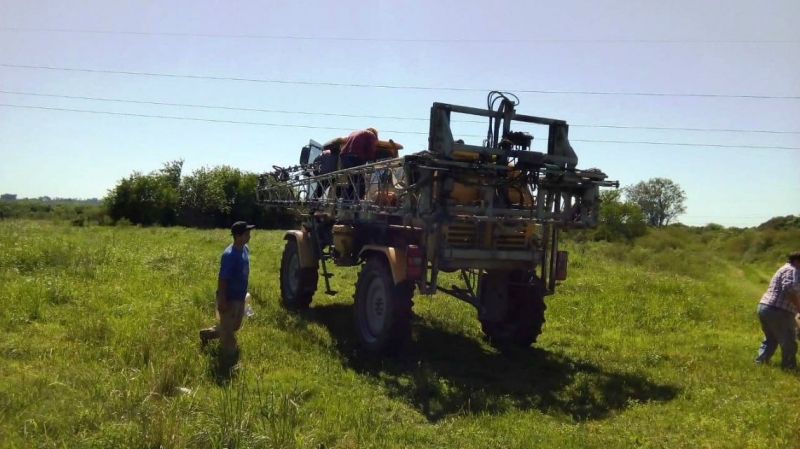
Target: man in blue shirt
column 234, row 271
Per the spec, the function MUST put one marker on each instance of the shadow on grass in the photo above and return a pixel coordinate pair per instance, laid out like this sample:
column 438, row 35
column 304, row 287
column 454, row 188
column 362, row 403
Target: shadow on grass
column 443, row 374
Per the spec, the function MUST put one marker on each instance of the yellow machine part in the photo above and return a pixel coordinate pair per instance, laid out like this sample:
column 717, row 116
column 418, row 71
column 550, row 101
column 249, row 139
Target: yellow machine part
column 468, row 156
column 461, row 193
column 465, row 236
column 390, row 144
column 465, row 194
column 522, row 195
column 387, row 148
column 343, row 239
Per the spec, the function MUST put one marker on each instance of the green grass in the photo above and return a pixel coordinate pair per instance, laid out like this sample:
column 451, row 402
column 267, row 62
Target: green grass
column 644, row 346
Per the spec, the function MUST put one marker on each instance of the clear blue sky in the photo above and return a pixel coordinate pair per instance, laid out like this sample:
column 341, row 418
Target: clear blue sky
column 70, row 154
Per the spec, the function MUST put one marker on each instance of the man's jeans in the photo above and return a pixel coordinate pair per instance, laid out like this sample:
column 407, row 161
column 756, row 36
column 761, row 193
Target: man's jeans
column 779, row 329
column 350, row 160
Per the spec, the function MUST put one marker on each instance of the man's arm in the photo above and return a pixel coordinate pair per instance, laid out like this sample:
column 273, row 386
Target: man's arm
column 794, row 296
column 225, row 271
column 333, row 143
column 222, row 301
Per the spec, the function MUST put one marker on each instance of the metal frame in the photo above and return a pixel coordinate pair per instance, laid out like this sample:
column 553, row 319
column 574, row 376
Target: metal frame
column 412, row 194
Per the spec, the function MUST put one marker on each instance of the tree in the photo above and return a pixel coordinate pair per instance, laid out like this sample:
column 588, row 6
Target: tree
column 660, row 199
column 203, row 199
column 619, row 220
column 148, row 199
column 171, row 173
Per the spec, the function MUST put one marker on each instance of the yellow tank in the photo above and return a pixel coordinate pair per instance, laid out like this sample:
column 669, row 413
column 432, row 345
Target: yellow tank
column 387, row 149
column 343, row 239
column 465, row 194
column 522, row 195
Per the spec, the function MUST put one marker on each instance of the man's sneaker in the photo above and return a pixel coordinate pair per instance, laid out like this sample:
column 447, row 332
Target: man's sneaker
column 206, row 335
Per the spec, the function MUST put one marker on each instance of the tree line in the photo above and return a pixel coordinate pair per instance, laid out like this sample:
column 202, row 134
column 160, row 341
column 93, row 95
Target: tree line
column 215, row 197
column 206, row 198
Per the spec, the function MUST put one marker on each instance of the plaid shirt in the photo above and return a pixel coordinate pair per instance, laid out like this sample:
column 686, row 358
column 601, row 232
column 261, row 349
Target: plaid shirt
column 786, row 279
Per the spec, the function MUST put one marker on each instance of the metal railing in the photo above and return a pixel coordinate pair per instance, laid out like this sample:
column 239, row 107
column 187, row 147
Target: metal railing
column 424, row 184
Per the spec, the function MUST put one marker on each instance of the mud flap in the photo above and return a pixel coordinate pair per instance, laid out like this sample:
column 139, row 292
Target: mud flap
column 307, row 258
column 395, row 257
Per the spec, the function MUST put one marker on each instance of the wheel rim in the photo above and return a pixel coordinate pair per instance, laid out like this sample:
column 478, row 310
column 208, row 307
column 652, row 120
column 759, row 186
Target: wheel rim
column 376, row 307
column 291, row 275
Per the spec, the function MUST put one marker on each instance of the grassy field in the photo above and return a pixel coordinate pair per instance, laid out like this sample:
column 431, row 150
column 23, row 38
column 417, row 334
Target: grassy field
column 644, row 346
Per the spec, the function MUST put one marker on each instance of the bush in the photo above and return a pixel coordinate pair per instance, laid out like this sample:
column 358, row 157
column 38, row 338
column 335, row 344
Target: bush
column 208, row 198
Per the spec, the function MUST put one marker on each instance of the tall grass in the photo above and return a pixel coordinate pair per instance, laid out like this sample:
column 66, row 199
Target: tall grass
column 645, row 345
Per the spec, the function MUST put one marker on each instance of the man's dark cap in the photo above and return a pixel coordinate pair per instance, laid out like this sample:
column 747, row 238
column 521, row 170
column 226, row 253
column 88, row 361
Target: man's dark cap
column 240, row 227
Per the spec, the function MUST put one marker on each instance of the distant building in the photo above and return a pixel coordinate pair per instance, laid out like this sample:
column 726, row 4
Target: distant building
column 8, row 197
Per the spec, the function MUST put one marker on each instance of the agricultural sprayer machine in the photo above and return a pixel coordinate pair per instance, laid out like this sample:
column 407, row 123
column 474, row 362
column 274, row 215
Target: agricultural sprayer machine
column 489, row 213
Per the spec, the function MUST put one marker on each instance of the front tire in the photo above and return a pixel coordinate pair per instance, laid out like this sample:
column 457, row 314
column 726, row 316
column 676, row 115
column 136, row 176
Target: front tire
column 298, row 285
column 382, row 309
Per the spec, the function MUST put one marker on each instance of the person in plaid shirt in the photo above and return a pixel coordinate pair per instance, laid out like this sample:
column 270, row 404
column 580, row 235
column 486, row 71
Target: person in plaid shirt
column 776, row 312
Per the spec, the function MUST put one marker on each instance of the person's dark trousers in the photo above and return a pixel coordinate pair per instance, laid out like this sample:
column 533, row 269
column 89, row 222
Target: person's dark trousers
column 350, row 161
column 778, row 326
column 320, row 190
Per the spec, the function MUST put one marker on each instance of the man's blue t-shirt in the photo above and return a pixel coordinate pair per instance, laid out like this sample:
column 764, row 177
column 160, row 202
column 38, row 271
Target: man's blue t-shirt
column 235, row 268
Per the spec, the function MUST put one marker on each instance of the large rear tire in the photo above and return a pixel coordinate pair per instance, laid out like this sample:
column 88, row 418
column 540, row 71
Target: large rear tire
column 382, row 310
column 518, row 302
column 298, row 285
